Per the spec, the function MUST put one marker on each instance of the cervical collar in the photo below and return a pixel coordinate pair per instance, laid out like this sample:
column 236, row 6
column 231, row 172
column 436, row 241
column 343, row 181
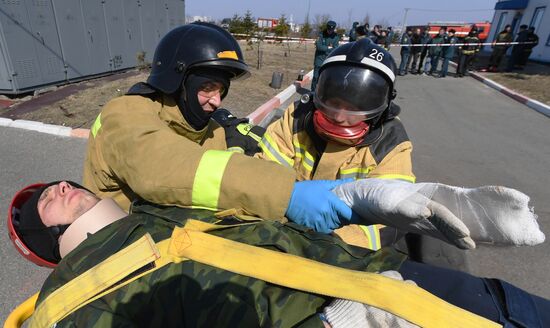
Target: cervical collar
column 101, row 215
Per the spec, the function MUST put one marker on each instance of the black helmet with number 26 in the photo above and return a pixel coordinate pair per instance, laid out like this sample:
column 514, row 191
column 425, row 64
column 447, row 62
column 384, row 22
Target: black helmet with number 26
column 355, row 88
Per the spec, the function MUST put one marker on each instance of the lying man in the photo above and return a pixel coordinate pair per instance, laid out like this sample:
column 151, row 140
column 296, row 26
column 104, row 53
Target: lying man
column 168, row 266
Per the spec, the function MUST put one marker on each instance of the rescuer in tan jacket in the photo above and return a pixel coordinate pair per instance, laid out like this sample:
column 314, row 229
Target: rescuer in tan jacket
column 347, row 128
column 160, row 144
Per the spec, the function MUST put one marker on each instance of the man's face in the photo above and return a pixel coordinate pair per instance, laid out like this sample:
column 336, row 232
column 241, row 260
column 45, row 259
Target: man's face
column 342, row 113
column 417, row 31
column 209, row 96
column 62, row 204
column 441, row 32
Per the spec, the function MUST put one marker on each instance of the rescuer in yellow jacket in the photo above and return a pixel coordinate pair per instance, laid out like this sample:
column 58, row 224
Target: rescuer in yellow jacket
column 160, row 143
column 347, row 128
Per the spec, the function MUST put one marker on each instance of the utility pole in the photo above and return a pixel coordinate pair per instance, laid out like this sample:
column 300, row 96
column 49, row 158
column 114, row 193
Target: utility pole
column 405, row 20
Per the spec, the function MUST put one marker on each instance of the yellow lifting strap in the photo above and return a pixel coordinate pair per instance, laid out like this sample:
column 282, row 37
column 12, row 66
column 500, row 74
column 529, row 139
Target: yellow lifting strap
column 192, row 243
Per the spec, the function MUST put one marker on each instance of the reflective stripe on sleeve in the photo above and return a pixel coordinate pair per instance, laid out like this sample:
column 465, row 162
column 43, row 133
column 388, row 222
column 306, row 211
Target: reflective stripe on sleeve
column 208, row 178
column 356, row 172
column 403, row 177
column 96, row 126
column 269, row 147
column 372, row 232
column 308, row 161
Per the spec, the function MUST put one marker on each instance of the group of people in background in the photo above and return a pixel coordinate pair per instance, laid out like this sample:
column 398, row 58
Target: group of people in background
column 520, row 52
column 328, row 40
column 421, row 53
column 378, row 35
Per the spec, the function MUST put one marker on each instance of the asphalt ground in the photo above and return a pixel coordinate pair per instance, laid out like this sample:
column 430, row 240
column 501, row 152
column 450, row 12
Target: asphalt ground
column 464, row 133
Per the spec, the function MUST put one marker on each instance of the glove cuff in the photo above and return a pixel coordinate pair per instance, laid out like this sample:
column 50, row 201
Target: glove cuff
column 345, row 313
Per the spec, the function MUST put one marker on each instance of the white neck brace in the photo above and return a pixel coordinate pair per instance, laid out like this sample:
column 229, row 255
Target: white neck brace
column 105, row 212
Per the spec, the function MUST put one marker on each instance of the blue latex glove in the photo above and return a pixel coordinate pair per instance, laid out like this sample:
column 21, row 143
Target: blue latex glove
column 313, row 205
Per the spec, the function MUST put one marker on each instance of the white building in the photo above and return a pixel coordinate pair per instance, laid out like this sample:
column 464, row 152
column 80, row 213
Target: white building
column 191, row 19
column 529, row 12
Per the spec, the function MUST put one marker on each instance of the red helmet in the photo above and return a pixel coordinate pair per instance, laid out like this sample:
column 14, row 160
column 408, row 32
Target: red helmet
column 13, row 222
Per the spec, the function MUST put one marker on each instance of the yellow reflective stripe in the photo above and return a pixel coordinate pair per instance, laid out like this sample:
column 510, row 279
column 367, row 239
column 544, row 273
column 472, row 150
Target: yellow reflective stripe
column 308, row 161
column 269, row 147
column 372, row 232
column 236, row 150
column 403, row 177
column 254, row 136
column 246, row 128
column 356, row 172
column 208, row 178
column 97, row 125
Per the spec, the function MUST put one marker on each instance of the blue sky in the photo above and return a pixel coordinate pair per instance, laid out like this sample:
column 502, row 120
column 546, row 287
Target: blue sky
column 346, row 11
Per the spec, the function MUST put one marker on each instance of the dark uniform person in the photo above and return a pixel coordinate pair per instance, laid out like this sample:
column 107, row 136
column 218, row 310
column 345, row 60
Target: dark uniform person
column 352, row 34
column 467, row 53
column 326, row 42
column 532, row 41
column 406, row 41
column 425, row 39
column 416, row 49
column 518, row 49
column 448, row 52
column 499, row 50
column 437, row 50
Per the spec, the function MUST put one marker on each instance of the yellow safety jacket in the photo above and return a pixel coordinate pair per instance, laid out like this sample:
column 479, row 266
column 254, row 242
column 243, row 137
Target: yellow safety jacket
column 142, row 146
column 292, row 142
column 385, row 154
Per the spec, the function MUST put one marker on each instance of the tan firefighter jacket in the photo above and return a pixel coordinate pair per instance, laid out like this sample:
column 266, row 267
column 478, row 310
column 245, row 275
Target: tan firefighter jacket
column 143, row 146
column 385, row 153
column 291, row 141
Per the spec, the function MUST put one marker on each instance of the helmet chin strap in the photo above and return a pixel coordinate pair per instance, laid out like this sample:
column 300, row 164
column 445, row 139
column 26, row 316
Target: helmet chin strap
column 344, row 135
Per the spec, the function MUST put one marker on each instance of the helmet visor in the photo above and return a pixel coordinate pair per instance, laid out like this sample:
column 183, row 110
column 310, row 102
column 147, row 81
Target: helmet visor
column 355, row 91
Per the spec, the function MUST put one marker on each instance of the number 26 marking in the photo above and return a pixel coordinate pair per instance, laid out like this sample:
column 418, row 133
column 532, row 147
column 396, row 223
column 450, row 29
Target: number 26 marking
column 377, row 55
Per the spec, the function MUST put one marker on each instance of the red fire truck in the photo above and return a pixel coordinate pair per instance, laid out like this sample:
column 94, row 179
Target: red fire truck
column 462, row 29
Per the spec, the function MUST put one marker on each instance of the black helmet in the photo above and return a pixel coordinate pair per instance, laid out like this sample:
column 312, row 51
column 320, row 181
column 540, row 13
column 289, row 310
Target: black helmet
column 192, row 46
column 362, row 74
column 331, row 25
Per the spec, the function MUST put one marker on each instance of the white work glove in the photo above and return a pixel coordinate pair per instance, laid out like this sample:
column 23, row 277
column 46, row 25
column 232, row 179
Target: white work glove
column 342, row 313
column 459, row 216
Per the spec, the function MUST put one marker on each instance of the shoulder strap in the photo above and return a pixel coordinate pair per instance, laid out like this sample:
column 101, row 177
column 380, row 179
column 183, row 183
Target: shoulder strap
column 407, row 301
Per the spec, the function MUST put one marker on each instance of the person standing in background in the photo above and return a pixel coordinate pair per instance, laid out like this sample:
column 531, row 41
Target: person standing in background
column 532, row 41
column 425, row 39
column 326, row 42
column 405, row 52
column 436, row 51
column 467, row 53
column 448, row 52
column 517, row 49
column 352, row 34
column 499, row 50
column 389, row 38
column 416, row 49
